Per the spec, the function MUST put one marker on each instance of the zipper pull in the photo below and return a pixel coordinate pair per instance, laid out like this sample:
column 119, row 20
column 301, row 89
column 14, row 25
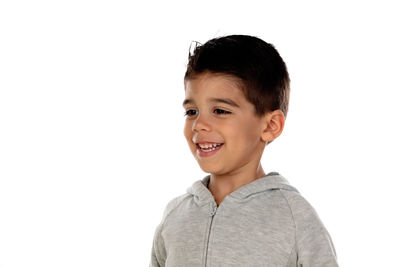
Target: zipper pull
column 214, row 210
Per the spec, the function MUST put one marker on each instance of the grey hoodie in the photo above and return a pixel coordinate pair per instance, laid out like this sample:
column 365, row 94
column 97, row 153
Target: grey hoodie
column 262, row 223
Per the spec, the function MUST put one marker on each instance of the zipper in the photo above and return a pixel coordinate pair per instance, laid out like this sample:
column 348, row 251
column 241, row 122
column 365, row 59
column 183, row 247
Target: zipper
column 212, row 213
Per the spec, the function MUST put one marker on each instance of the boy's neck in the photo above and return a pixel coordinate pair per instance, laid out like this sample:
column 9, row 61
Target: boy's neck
column 222, row 185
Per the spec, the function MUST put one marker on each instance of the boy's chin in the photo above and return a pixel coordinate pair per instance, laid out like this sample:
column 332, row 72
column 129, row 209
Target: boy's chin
column 207, row 169
column 215, row 170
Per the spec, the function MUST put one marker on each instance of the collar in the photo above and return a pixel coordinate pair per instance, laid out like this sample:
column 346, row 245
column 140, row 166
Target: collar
column 271, row 181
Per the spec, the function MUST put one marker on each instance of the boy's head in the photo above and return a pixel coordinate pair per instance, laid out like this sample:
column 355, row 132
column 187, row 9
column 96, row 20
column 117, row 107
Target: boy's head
column 261, row 71
column 236, row 98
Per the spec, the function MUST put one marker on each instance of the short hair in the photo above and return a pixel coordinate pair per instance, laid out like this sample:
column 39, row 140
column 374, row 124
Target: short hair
column 261, row 70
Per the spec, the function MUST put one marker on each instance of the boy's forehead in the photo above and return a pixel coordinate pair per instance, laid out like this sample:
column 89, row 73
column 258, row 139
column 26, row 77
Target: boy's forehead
column 214, row 85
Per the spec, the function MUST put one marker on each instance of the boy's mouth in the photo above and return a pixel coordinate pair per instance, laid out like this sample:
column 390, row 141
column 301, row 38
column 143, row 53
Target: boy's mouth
column 208, row 149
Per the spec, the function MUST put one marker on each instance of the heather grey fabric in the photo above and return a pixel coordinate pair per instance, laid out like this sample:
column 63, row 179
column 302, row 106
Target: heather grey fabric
column 263, row 223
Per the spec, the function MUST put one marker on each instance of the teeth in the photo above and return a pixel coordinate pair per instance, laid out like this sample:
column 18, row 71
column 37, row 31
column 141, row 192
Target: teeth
column 208, row 150
column 208, row 147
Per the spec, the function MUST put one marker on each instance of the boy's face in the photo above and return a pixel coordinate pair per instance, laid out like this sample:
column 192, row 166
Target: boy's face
column 219, row 115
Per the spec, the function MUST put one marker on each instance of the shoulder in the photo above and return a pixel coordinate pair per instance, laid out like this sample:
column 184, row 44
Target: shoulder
column 172, row 205
column 303, row 212
column 159, row 253
column 169, row 208
column 314, row 246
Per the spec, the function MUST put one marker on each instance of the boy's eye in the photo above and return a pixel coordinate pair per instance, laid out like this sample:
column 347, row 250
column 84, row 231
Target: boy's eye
column 190, row 112
column 221, row 111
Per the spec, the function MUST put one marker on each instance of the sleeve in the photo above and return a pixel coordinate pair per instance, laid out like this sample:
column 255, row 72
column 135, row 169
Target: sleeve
column 158, row 251
column 314, row 246
column 158, row 254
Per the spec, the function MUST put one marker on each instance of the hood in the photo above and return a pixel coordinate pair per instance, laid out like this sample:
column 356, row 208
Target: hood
column 271, row 181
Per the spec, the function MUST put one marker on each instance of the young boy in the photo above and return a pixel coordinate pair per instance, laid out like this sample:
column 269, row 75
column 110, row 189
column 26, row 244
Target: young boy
column 236, row 101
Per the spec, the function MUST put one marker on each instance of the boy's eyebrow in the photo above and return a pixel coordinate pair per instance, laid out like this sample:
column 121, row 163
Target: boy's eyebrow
column 216, row 100
column 224, row 100
column 187, row 101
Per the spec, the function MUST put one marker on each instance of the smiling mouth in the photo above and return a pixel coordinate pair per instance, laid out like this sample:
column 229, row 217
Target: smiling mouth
column 208, row 147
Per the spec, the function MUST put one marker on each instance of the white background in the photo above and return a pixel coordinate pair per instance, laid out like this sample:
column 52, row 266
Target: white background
column 91, row 122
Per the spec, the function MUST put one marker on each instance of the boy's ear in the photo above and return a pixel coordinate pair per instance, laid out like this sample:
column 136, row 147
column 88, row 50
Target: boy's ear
column 273, row 123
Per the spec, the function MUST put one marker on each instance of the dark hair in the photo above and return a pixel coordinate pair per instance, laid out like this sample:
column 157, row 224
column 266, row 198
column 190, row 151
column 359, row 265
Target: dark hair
column 261, row 70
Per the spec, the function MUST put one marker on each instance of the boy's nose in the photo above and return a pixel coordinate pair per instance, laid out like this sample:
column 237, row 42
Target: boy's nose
column 200, row 124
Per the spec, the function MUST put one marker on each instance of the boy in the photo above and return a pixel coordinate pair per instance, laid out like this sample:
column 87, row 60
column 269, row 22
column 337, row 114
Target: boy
column 236, row 101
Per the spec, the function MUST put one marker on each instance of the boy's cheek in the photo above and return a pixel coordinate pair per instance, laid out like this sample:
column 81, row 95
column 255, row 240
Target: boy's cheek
column 189, row 141
column 187, row 132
